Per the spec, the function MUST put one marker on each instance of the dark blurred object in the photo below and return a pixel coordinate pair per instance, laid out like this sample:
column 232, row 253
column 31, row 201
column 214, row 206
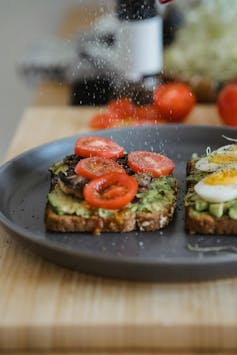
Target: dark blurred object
column 206, row 90
column 135, row 10
column 173, row 20
column 96, row 91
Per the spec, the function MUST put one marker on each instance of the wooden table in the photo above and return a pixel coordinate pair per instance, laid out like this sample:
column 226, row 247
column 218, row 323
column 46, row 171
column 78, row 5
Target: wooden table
column 47, row 308
column 43, row 306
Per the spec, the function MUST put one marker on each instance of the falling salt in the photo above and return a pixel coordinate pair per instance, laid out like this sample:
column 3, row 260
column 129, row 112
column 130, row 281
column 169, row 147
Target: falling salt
column 141, row 244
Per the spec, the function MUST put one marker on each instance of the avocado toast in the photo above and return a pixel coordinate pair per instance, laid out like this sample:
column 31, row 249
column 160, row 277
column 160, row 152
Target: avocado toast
column 211, row 198
column 150, row 208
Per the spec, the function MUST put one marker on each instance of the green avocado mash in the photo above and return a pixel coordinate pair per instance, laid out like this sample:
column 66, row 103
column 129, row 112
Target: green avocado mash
column 159, row 197
column 65, row 204
column 161, row 194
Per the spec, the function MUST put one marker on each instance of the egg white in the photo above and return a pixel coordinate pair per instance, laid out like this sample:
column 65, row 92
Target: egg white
column 231, row 148
column 204, row 164
column 216, row 193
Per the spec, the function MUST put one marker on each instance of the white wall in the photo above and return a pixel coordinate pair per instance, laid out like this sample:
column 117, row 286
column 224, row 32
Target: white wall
column 22, row 22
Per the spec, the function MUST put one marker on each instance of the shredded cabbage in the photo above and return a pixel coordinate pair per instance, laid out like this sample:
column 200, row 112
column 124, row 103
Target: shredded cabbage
column 206, row 45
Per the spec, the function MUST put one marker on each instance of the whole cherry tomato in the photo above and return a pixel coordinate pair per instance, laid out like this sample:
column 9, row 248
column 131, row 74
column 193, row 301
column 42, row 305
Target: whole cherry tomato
column 227, row 104
column 121, row 108
column 174, row 101
column 101, row 121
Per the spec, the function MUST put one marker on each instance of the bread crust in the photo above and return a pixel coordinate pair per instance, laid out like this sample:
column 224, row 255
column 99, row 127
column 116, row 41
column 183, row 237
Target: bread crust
column 207, row 224
column 122, row 221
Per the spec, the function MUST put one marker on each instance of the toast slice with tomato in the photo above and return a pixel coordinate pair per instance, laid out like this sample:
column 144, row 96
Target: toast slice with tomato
column 101, row 189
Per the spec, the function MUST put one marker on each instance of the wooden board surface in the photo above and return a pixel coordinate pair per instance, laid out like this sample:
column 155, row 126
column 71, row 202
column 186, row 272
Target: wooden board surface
column 43, row 306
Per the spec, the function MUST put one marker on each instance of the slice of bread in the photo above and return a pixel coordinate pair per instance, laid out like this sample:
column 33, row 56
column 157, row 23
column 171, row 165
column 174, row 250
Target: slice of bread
column 202, row 221
column 119, row 222
column 149, row 211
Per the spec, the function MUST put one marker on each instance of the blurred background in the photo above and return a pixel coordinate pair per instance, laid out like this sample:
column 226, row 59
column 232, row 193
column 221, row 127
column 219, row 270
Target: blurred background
column 23, row 23
column 198, row 40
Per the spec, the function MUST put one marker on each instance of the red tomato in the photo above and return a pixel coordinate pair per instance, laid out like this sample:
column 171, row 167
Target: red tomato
column 148, row 122
column 227, row 104
column 174, row 101
column 123, row 122
column 111, row 191
column 94, row 167
column 148, row 162
column 100, row 121
column 132, row 121
column 123, row 108
column 98, row 146
column 147, row 112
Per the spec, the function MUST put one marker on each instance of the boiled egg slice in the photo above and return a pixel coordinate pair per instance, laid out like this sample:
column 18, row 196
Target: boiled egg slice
column 231, row 148
column 220, row 186
column 217, row 160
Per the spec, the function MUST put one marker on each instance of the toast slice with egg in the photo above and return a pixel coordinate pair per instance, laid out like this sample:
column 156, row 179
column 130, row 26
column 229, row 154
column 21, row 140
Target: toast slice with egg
column 151, row 209
column 211, row 197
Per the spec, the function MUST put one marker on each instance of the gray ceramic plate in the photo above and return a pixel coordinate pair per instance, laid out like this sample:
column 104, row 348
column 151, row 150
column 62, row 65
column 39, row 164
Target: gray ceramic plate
column 168, row 255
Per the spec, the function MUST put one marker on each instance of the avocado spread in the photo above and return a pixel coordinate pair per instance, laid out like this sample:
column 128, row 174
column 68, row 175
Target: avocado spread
column 159, row 196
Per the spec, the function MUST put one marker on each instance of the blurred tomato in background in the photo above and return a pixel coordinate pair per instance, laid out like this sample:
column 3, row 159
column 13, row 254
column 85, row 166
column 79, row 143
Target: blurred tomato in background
column 227, row 104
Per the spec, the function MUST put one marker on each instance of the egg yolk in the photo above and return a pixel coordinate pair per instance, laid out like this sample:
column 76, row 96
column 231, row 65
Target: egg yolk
column 222, row 159
column 222, row 177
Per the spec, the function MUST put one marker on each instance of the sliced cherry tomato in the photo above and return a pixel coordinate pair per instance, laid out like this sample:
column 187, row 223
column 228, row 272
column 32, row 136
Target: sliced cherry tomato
column 122, row 108
column 227, row 104
column 98, row 146
column 148, row 162
column 94, row 167
column 174, row 101
column 111, row 191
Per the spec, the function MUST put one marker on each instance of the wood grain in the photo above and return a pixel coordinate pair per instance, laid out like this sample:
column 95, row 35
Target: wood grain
column 43, row 306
